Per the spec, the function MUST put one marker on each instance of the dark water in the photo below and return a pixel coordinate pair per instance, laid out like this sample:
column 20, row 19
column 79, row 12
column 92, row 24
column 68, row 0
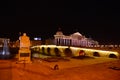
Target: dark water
column 12, row 51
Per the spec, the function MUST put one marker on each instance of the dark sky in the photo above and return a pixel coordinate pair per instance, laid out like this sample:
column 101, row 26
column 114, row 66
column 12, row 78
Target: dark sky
column 98, row 19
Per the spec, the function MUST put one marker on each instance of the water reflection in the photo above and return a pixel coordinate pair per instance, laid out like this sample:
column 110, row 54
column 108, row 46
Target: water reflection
column 4, row 52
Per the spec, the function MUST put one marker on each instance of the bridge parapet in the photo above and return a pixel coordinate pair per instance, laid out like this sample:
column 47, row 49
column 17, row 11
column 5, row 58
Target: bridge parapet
column 75, row 51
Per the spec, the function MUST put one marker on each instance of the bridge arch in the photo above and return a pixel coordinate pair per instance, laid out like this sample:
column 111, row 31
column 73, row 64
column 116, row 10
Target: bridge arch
column 57, row 52
column 112, row 56
column 43, row 50
column 81, row 53
column 49, row 50
column 96, row 54
column 68, row 52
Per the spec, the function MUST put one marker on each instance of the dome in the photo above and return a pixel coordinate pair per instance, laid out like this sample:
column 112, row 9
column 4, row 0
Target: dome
column 59, row 33
column 77, row 34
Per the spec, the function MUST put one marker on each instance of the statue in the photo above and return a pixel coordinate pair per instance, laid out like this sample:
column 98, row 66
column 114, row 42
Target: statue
column 24, row 41
column 24, row 49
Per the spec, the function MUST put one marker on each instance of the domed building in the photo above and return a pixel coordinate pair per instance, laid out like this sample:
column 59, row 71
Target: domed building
column 75, row 39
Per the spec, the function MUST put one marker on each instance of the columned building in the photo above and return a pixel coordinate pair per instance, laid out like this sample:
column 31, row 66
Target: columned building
column 75, row 39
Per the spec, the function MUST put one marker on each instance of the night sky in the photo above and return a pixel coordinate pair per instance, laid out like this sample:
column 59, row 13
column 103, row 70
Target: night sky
column 98, row 19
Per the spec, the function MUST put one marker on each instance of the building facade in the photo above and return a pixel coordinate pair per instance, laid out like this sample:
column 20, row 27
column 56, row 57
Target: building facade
column 75, row 39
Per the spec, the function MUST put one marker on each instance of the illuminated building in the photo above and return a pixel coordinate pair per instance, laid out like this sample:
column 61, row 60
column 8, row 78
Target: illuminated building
column 75, row 39
column 36, row 41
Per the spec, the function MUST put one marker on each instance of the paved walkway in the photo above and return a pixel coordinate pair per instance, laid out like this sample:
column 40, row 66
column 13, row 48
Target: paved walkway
column 69, row 70
column 5, row 70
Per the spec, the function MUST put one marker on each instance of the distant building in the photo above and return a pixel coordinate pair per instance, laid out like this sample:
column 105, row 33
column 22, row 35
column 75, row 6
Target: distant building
column 36, row 41
column 2, row 40
column 75, row 39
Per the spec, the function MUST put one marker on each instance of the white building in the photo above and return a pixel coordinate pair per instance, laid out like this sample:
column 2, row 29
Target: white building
column 75, row 39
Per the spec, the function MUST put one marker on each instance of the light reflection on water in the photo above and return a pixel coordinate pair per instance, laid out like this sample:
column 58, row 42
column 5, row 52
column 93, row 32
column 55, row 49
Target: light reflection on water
column 4, row 52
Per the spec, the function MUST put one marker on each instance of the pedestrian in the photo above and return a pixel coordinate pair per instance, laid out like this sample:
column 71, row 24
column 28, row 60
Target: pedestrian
column 56, row 67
